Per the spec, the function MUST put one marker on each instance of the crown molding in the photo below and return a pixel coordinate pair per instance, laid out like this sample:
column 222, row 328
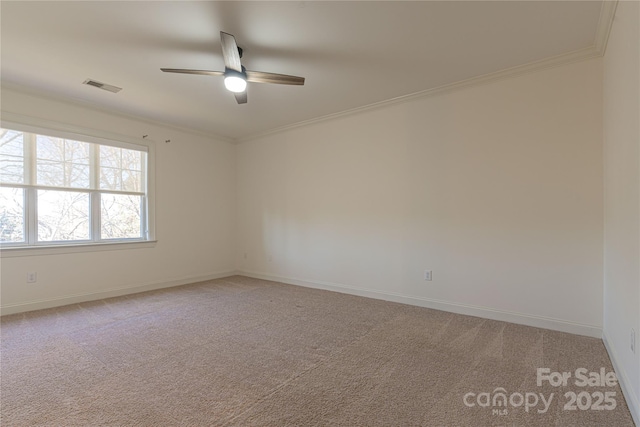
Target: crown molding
column 552, row 62
column 94, row 107
column 607, row 15
column 605, row 22
column 32, row 124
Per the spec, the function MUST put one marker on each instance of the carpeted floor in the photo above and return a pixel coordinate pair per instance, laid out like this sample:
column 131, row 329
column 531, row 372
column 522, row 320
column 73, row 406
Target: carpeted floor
column 243, row 352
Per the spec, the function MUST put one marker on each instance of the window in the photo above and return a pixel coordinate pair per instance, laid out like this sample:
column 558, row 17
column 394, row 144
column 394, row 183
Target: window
column 70, row 190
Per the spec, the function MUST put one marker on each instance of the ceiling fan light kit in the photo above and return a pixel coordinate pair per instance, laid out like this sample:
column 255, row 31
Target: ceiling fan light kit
column 235, row 75
column 235, row 81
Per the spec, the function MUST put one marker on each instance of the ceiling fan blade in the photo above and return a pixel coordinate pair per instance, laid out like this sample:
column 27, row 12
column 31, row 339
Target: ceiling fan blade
column 283, row 79
column 203, row 72
column 241, row 97
column 230, row 52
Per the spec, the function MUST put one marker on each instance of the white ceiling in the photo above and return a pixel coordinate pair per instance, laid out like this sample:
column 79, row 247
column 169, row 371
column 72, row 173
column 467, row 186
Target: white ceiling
column 352, row 53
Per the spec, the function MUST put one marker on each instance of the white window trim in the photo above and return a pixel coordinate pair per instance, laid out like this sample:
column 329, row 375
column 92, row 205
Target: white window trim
column 59, row 130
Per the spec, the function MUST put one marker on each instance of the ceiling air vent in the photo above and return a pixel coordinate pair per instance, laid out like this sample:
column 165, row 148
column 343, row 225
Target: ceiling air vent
column 103, row 86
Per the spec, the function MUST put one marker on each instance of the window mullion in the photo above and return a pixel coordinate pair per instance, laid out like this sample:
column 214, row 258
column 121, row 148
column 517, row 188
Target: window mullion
column 30, row 192
column 29, row 150
column 94, row 168
column 95, row 216
column 31, row 213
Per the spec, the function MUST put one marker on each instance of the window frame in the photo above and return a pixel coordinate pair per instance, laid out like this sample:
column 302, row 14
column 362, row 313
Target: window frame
column 57, row 130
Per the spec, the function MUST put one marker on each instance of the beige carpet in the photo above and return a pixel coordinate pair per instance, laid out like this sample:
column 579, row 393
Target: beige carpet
column 242, row 352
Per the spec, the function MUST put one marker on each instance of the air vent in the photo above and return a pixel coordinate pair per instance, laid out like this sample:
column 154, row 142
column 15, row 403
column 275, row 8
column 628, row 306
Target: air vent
column 103, row 86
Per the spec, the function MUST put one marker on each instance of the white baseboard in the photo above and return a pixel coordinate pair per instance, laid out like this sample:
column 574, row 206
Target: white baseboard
column 109, row 293
column 470, row 310
column 484, row 312
column 633, row 402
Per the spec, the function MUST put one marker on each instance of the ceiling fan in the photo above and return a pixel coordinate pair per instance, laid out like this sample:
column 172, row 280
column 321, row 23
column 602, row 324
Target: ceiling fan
column 235, row 75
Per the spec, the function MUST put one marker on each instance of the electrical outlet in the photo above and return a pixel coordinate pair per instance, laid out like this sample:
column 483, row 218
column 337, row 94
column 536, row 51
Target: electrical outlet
column 632, row 340
column 32, row 277
column 427, row 275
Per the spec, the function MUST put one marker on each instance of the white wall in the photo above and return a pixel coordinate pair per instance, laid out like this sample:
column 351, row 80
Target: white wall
column 195, row 217
column 497, row 188
column 622, row 197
